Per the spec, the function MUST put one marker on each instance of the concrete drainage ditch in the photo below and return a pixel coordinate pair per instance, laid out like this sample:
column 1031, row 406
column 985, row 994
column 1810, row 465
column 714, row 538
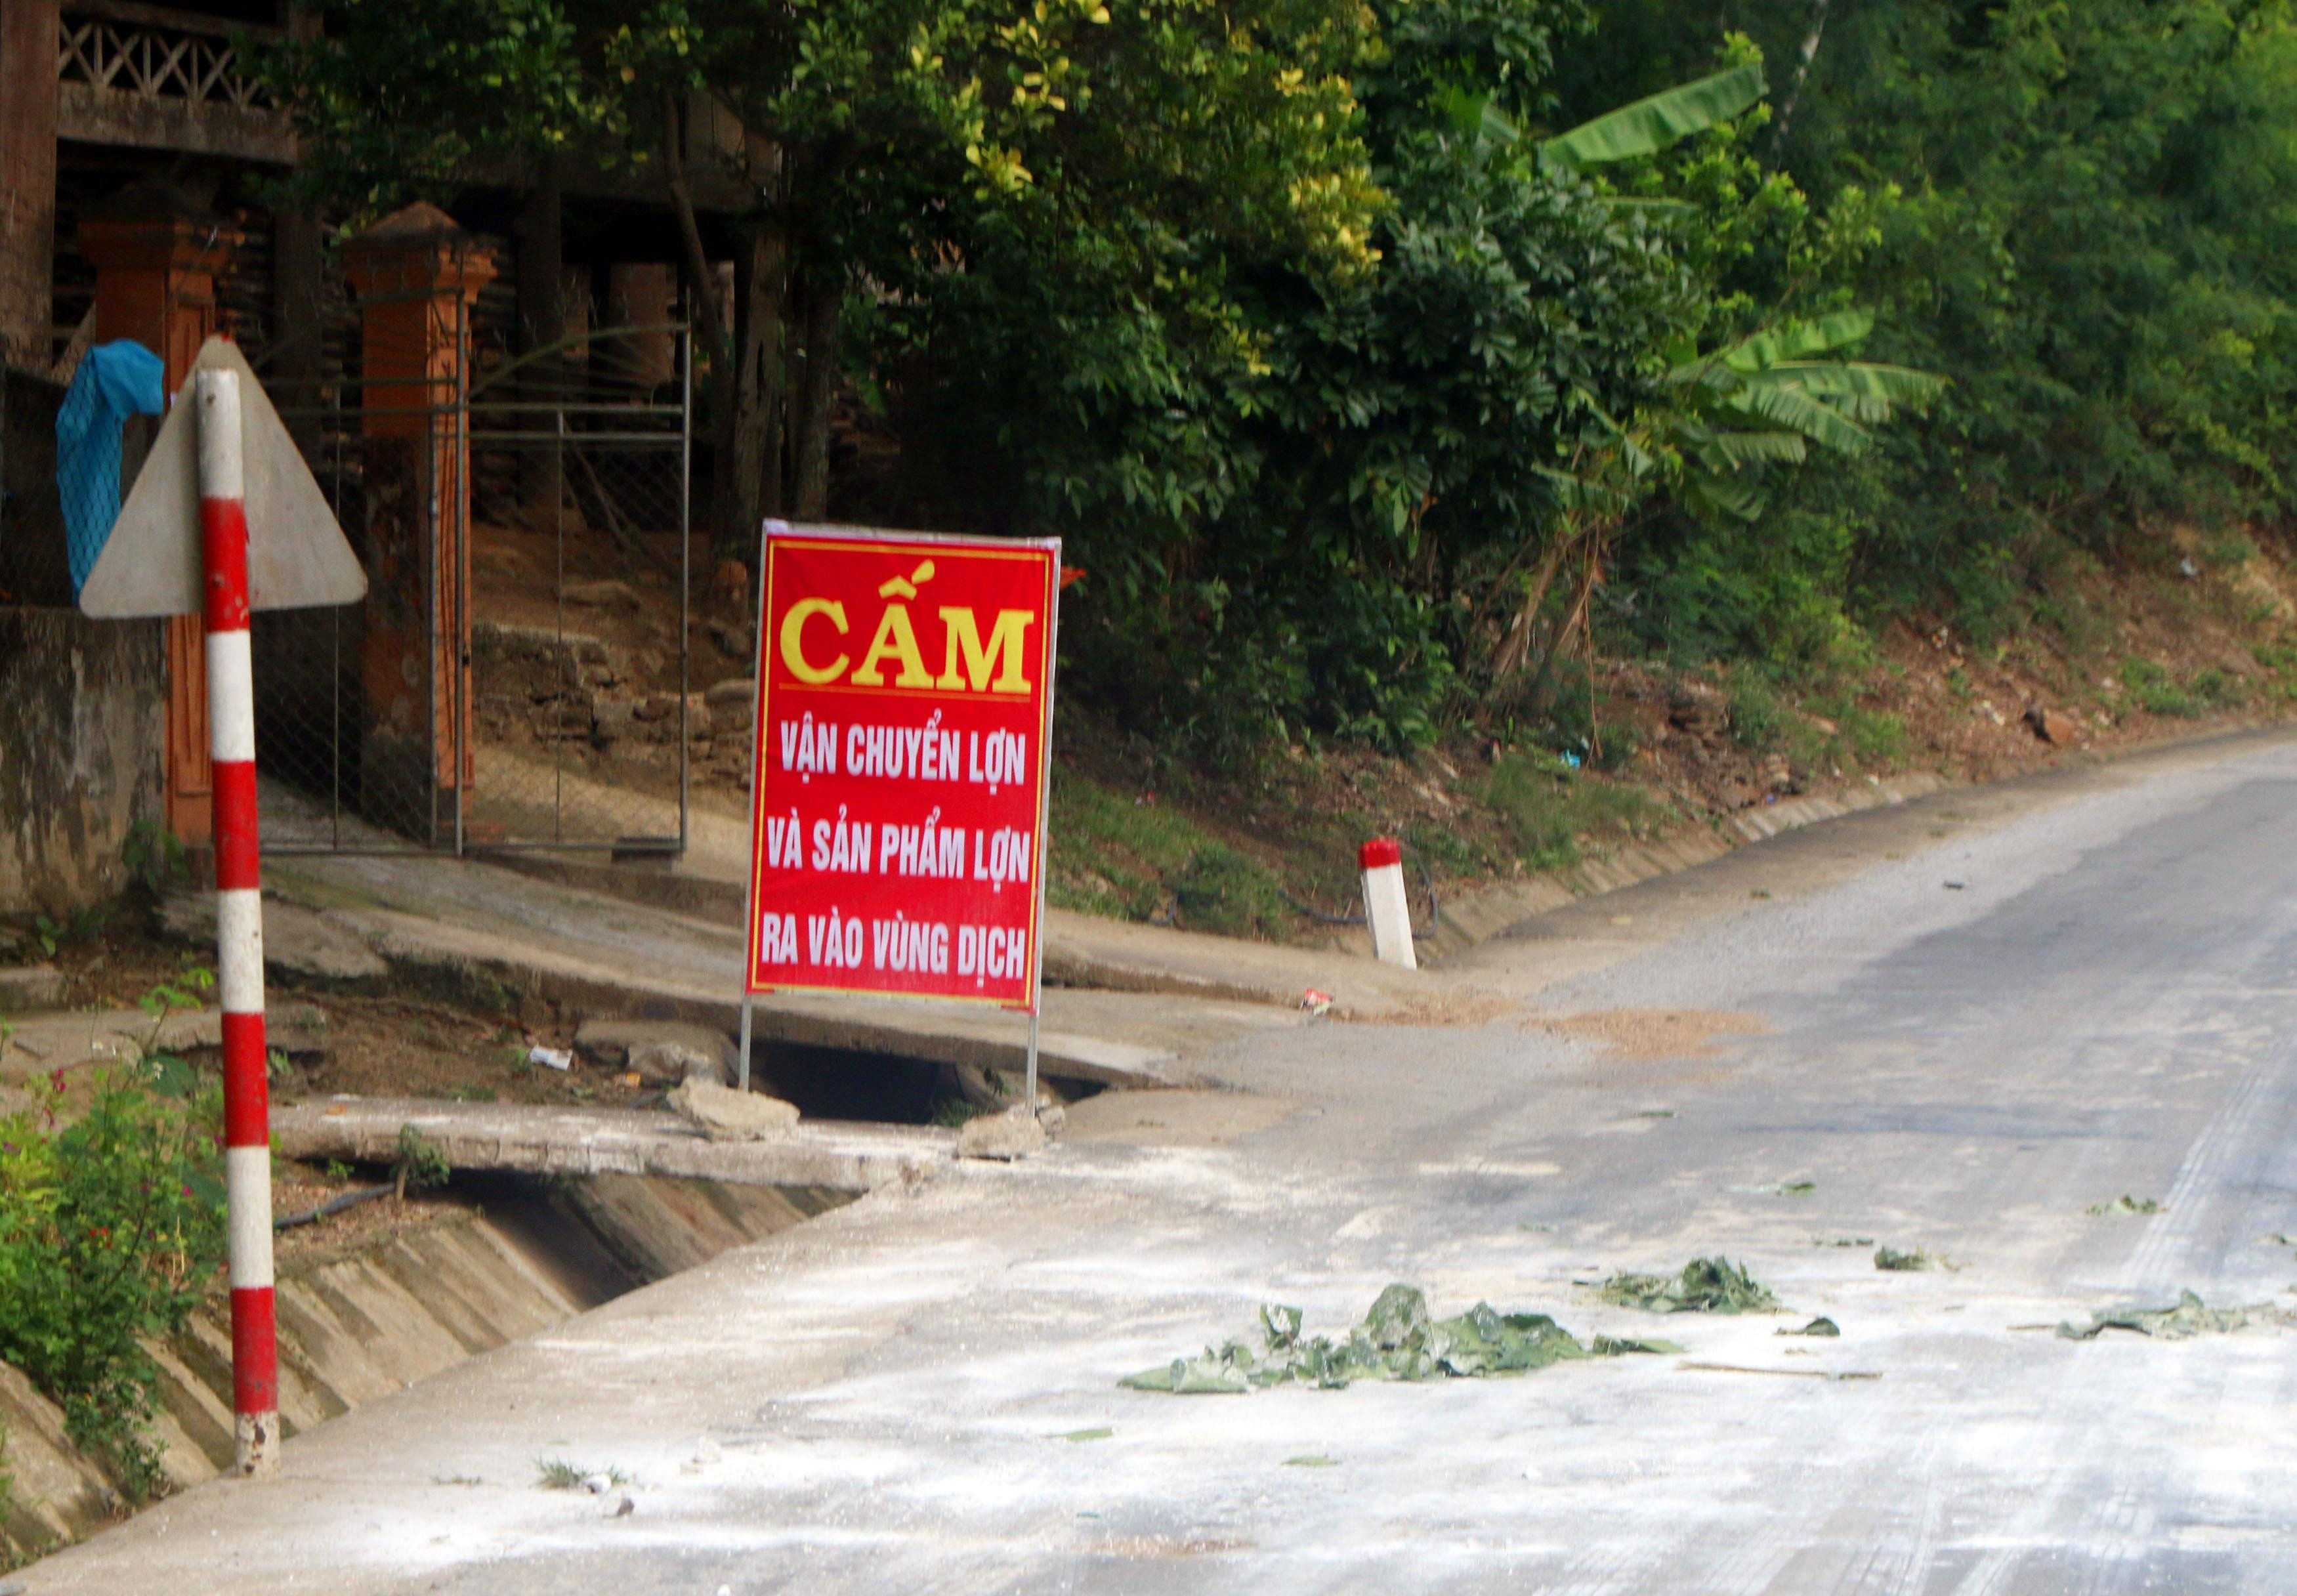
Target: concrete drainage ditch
column 368, row 1310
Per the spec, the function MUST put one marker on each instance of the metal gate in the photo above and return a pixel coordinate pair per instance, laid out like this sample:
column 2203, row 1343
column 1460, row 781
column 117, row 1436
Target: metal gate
column 519, row 674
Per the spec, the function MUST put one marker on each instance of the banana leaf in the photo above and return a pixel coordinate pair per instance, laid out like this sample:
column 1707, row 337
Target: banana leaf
column 1650, row 125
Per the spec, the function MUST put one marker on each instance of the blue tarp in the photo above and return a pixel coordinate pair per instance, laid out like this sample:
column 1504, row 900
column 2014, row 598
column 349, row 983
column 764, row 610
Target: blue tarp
column 114, row 382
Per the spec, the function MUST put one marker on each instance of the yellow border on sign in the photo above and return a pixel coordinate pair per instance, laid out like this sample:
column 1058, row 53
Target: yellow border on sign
column 1046, row 550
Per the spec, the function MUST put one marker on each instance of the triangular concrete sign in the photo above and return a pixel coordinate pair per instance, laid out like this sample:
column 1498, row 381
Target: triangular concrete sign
column 297, row 555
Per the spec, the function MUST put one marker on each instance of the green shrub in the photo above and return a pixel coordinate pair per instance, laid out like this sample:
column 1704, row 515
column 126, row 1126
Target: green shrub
column 1877, row 738
column 2153, row 690
column 2218, row 690
column 155, row 859
column 111, row 1227
column 2230, row 552
column 421, row 1164
column 1758, row 719
column 2280, row 662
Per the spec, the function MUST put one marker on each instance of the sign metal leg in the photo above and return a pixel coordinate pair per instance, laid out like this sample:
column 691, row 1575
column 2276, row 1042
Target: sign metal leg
column 742, row 1065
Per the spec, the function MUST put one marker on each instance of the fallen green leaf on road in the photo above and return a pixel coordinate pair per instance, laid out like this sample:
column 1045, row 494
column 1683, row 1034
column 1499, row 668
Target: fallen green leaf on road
column 1842, row 1241
column 1613, row 1346
column 1705, row 1285
column 1796, row 1188
column 1891, row 1259
column 2124, row 1204
column 1821, row 1326
column 1315, row 1460
column 1396, row 1341
column 1101, row 1434
column 2191, row 1317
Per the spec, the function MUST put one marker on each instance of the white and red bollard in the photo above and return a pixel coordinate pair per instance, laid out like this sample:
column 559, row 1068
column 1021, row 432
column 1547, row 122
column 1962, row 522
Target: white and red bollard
column 239, row 924
column 1387, row 910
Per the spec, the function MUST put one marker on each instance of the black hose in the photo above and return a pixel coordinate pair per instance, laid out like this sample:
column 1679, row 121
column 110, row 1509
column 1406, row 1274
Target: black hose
column 1435, row 909
column 333, row 1206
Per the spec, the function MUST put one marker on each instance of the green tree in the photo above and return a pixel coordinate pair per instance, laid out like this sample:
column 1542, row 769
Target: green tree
column 1347, row 511
column 882, row 137
column 2091, row 242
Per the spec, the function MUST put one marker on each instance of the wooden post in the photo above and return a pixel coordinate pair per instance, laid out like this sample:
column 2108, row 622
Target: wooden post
column 156, row 253
column 541, row 268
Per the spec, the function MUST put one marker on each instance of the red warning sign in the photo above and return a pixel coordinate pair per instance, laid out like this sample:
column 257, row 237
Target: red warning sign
column 905, row 693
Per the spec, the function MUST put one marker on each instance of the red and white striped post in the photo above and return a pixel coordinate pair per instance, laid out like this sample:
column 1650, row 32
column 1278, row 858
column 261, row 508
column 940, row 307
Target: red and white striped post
column 239, row 923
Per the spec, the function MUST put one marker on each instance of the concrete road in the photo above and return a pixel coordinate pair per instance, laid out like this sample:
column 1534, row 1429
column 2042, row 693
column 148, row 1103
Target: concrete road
column 2105, row 1004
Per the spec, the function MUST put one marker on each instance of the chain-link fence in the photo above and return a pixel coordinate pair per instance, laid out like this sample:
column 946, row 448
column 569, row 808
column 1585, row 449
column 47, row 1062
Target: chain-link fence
column 517, row 675
column 584, row 714
column 361, row 721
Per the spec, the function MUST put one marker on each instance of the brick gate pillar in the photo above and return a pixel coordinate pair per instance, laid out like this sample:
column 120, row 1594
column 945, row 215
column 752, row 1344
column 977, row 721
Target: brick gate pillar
column 416, row 274
column 156, row 254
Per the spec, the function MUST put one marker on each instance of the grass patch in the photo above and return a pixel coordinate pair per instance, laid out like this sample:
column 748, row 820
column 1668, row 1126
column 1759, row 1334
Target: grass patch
column 1139, row 861
column 557, row 1474
column 1445, row 851
column 1221, row 891
column 1551, row 811
column 1867, row 739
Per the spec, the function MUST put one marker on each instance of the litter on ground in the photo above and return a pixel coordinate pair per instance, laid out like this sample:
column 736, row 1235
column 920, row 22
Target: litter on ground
column 1396, row 1341
column 2189, row 1318
column 1891, row 1260
column 2124, row 1204
column 1706, row 1286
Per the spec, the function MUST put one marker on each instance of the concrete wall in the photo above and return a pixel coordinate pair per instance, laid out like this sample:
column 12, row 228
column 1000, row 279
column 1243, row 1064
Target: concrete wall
column 81, row 704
